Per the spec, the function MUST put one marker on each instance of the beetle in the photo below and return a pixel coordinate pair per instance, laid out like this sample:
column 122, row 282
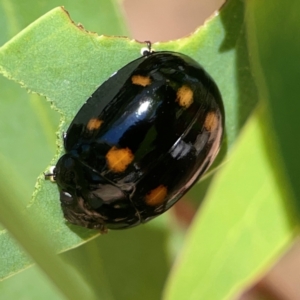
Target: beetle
column 139, row 143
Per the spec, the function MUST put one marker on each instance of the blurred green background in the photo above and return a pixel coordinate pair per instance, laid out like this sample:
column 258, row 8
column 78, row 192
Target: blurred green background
column 252, row 212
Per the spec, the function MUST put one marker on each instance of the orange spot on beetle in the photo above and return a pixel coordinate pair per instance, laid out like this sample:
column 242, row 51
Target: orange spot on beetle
column 119, row 159
column 211, row 121
column 94, row 124
column 156, row 196
column 185, row 96
column 141, row 80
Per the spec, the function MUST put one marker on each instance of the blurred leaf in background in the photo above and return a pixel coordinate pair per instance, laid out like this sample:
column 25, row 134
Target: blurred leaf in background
column 28, row 131
column 63, row 62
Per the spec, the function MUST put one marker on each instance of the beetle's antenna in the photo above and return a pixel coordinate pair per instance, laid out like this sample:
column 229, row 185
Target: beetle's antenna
column 147, row 50
column 51, row 174
column 149, row 45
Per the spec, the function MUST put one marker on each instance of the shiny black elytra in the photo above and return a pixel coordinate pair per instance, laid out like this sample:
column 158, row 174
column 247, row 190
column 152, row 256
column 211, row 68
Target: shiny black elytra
column 140, row 142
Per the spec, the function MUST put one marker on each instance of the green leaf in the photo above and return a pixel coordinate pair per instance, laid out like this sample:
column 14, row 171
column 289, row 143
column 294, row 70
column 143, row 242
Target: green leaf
column 127, row 263
column 29, row 125
column 252, row 208
column 103, row 16
column 276, row 63
column 243, row 226
column 33, row 240
column 31, row 284
column 63, row 62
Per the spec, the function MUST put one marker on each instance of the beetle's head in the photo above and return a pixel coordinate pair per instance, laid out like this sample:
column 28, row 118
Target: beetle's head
column 89, row 199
